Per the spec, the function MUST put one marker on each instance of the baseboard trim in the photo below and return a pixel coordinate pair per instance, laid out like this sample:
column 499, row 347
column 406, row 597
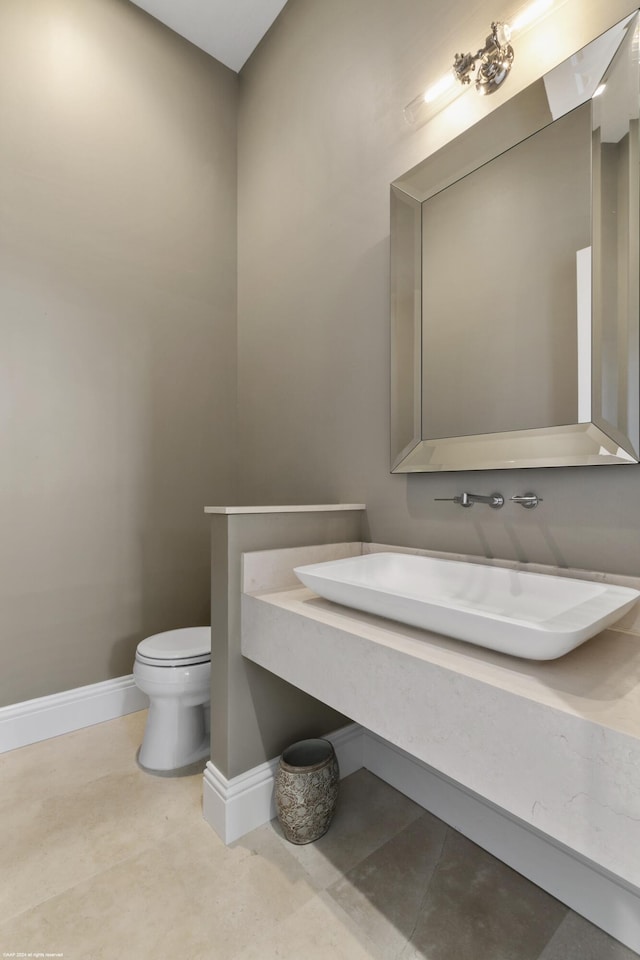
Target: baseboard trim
column 46, row 717
column 235, row 807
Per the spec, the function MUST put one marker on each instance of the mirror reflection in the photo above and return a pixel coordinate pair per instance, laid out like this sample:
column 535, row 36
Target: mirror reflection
column 515, row 279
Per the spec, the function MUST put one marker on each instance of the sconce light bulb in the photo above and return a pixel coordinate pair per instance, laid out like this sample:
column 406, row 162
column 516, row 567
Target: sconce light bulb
column 530, row 13
column 497, row 58
column 437, row 89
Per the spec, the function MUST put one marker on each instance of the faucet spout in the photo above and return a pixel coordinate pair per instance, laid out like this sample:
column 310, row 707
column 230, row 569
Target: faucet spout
column 495, row 500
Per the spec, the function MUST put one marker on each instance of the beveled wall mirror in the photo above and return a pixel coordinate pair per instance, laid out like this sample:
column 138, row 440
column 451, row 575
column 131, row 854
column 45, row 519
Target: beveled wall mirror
column 514, row 278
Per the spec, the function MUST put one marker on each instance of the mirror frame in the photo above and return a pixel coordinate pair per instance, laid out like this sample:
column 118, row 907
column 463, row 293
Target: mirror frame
column 587, row 443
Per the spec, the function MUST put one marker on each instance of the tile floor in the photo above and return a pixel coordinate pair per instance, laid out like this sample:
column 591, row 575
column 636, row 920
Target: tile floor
column 99, row 860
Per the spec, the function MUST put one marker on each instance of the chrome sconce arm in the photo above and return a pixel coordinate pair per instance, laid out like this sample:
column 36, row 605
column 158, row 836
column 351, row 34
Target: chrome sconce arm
column 493, row 61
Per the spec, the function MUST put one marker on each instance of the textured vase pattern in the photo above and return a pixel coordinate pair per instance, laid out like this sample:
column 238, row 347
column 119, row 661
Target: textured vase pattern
column 306, row 795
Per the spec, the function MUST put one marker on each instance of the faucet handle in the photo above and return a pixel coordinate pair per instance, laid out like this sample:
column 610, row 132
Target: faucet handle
column 527, row 500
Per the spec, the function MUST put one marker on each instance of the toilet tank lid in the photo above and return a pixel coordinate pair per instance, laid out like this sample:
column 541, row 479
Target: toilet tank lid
column 173, row 644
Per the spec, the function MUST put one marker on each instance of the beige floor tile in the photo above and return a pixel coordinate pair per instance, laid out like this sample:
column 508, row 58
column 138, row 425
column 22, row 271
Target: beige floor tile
column 384, row 893
column 477, row 908
column 64, row 763
column 187, row 896
column 369, row 812
column 51, row 843
column 317, row 931
column 101, row 860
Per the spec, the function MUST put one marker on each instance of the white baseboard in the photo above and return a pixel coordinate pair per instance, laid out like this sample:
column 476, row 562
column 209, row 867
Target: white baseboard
column 235, row 807
column 45, row 717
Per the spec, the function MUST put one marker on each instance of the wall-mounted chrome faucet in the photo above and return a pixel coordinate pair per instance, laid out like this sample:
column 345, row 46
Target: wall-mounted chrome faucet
column 495, row 500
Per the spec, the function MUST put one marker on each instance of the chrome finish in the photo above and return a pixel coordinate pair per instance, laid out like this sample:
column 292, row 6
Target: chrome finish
column 495, row 500
column 527, row 500
column 495, row 60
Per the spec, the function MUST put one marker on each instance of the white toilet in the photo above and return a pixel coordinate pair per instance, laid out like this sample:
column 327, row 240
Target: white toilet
column 174, row 670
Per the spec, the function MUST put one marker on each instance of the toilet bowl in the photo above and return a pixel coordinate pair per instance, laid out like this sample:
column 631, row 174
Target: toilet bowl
column 174, row 670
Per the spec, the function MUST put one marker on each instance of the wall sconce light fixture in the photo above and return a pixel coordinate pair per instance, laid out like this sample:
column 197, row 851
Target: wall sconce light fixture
column 493, row 61
column 489, row 67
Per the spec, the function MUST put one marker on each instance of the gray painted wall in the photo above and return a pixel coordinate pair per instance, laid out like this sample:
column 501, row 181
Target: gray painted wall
column 255, row 714
column 321, row 135
column 117, row 332
column 118, row 314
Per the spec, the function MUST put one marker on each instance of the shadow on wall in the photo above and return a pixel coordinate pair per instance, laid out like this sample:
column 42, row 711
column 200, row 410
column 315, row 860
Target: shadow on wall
column 583, row 522
column 297, row 711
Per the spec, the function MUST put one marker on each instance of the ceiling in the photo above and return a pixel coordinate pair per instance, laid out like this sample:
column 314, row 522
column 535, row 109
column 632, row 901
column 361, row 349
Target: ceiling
column 228, row 30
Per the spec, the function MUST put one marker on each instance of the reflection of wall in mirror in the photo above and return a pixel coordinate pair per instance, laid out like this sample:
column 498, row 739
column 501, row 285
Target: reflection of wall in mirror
column 499, row 287
column 612, row 165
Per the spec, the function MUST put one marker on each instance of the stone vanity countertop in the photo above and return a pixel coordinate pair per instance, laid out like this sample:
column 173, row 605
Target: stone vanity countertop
column 598, row 681
column 554, row 743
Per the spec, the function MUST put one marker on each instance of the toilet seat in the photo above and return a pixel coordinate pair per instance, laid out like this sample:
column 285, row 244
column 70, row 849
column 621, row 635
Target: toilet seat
column 176, row 648
column 172, row 661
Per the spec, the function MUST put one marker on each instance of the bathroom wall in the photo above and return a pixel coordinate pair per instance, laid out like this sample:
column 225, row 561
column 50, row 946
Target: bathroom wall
column 321, row 135
column 117, row 333
column 117, row 311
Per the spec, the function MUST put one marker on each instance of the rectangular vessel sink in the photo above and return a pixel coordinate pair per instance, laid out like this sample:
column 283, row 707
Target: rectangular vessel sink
column 530, row 615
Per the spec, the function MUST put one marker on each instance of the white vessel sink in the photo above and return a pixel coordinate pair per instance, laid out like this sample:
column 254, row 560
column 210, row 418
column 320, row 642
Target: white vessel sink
column 530, row 615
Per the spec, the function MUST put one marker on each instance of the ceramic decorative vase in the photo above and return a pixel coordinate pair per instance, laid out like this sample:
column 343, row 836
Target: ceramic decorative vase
column 307, row 790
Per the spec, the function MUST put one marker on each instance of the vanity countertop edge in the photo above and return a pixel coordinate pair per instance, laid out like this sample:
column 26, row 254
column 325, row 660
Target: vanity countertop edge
column 555, row 743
